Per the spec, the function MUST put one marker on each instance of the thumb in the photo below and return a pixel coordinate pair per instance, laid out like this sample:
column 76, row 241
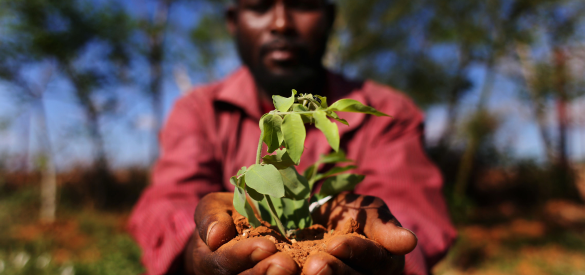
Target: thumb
column 214, row 221
column 217, row 230
column 396, row 239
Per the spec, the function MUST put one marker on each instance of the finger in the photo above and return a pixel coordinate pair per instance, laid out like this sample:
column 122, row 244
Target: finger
column 364, row 255
column 241, row 256
column 396, row 239
column 277, row 264
column 214, row 221
column 379, row 224
column 322, row 263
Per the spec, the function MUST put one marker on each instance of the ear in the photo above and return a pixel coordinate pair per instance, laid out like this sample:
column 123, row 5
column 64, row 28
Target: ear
column 231, row 18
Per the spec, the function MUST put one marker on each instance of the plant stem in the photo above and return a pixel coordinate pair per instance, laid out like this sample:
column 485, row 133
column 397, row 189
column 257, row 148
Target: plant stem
column 259, row 151
column 300, row 112
column 268, row 200
column 275, row 216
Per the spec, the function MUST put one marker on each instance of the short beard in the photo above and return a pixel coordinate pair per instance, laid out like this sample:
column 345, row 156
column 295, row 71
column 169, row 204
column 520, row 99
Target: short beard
column 307, row 75
column 301, row 79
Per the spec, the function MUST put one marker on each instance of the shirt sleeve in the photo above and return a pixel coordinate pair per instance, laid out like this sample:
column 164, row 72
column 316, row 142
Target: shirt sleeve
column 162, row 221
column 398, row 170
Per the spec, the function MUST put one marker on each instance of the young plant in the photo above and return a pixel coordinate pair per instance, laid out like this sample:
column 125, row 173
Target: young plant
column 273, row 184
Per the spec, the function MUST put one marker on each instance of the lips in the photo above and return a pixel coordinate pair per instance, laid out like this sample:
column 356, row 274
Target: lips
column 280, row 51
column 280, row 55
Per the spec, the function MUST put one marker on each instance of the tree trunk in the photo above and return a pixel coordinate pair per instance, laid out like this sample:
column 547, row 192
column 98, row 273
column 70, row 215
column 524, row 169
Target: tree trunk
column 155, row 59
column 474, row 141
column 537, row 105
column 562, row 116
column 458, row 88
column 48, row 174
column 100, row 182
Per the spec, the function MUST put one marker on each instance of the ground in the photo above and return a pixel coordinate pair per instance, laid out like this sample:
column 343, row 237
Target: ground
column 86, row 241
column 82, row 241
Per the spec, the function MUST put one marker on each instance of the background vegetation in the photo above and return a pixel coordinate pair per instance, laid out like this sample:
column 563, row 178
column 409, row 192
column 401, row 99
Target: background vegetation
column 85, row 86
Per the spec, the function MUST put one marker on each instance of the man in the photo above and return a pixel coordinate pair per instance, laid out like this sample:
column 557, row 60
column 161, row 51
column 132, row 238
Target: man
column 213, row 131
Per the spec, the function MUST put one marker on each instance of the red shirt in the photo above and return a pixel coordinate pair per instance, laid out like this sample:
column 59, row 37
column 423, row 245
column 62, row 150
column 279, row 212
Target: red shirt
column 213, row 131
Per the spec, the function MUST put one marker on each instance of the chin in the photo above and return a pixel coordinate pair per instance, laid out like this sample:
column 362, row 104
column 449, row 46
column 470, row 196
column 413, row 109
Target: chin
column 282, row 80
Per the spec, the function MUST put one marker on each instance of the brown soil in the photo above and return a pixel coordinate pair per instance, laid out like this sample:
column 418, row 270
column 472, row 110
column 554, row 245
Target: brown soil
column 305, row 242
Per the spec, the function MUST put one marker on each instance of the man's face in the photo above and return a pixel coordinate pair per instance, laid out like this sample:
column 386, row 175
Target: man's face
column 281, row 41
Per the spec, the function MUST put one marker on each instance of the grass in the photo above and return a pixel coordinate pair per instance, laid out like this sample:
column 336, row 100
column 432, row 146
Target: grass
column 84, row 241
column 517, row 247
column 81, row 241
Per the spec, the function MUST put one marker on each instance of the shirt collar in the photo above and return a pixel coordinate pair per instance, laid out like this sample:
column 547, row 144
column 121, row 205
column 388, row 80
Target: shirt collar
column 240, row 90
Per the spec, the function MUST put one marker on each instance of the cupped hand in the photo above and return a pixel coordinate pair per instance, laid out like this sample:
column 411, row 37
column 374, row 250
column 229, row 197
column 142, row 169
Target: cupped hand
column 215, row 227
column 354, row 255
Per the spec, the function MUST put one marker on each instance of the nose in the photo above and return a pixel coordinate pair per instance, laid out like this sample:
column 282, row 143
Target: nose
column 281, row 22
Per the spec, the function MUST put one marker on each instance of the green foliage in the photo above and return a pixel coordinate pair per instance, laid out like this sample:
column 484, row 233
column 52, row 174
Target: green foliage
column 273, row 184
column 340, row 183
column 296, row 186
column 350, row 105
column 293, row 131
column 241, row 204
column 272, row 132
column 328, row 128
column 283, row 103
column 280, row 160
column 265, row 179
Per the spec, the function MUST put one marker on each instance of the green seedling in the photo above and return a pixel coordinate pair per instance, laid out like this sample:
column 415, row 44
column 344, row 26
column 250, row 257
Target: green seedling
column 273, row 184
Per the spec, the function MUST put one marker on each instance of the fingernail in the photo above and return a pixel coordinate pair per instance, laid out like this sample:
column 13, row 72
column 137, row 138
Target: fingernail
column 213, row 224
column 326, row 271
column 259, row 254
column 275, row 269
column 341, row 251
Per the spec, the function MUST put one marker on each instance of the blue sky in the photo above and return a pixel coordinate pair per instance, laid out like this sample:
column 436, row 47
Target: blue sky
column 128, row 134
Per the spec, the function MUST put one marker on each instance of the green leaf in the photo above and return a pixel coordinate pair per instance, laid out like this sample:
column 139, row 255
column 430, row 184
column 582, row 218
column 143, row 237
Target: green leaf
column 323, row 101
column 242, row 206
column 254, row 194
column 272, row 133
column 240, row 200
column 264, row 211
column 351, row 105
column 309, row 171
column 335, row 157
column 266, row 180
column 241, row 171
column 252, row 219
column 307, row 118
column 340, row 183
column 294, row 134
column 336, row 117
column 282, row 104
column 280, row 160
column 234, row 181
column 295, row 213
column 261, row 122
column 296, row 187
column 333, row 171
column 328, row 128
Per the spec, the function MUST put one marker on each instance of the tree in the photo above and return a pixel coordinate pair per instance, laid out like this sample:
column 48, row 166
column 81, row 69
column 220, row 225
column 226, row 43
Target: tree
column 63, row 34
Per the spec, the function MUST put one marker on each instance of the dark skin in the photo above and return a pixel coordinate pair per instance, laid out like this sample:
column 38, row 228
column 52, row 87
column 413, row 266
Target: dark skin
column 282, row 43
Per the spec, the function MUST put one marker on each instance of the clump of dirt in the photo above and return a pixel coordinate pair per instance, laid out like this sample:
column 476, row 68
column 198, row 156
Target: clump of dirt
column 301, row 245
